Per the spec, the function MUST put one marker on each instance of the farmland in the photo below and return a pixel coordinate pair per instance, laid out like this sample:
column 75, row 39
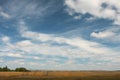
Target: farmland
column 61, row 75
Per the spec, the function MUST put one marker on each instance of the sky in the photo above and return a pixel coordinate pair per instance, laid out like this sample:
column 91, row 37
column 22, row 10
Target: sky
column 60, row 34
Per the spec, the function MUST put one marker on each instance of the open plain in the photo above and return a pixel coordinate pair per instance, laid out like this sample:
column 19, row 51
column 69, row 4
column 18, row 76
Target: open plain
column 61, row 75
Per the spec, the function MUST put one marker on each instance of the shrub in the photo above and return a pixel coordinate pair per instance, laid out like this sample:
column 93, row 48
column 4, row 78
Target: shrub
column 21, row 69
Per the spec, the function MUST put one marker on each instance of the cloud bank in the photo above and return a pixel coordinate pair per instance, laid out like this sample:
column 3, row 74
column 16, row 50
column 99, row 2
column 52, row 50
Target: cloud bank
column 88, row 47
column 58, row 51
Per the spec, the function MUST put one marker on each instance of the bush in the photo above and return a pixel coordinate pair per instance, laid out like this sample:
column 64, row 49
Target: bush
column 21, row 69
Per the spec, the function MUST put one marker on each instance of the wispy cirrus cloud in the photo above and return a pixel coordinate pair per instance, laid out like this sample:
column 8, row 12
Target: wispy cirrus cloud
column 92, row 47
column 77, row 47
column 4, row 14
column 27, row 9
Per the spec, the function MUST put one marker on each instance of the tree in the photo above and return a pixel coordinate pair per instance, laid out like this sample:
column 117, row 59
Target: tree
column 0, row 69
column 5, row 69
column 21, row 69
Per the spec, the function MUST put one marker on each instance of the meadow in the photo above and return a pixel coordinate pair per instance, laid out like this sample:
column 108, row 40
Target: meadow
column 61, row 75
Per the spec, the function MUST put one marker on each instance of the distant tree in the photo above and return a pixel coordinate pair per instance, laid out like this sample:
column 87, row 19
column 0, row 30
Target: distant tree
column 21, row 69
column 0, row 69
column 5, row 69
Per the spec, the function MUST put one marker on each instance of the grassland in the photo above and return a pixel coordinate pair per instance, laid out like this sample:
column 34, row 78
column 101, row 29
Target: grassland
column 61, row 75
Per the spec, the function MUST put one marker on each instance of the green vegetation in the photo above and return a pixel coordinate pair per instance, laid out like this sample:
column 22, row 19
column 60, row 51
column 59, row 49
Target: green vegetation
column 21, row 69
column 6, row 69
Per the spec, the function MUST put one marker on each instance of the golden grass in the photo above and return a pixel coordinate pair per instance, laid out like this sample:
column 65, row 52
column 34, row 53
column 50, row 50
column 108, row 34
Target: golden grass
column 60, row 74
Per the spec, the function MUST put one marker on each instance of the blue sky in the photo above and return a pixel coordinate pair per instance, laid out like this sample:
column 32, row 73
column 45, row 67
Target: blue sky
column 60, row 34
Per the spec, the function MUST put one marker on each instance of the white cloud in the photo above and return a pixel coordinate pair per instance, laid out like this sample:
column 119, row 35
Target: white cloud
column 10, row 54
column 4, row 14
column 90, row 19
column 17, row 62
column 92, row 47
column 5, row 39
column 1, row 60
column 111, row 34
column 85, row 45
column 95, row 8
column 37, row 36
column 77, row 17
column 14, row 55
column 104, row 34
column 117, row 20
column 24, row 43
column 37, row 58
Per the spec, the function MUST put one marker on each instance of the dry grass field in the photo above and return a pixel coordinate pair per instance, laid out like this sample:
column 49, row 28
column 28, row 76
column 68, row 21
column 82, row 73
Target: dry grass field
column 61, row 75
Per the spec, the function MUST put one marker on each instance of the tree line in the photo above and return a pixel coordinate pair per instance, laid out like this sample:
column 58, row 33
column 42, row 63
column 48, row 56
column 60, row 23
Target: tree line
column 6, row 69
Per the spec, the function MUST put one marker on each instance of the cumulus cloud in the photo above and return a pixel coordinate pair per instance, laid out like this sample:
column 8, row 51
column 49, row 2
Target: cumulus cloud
column 107, row 9
column 104, row 34
column 5, row 39
column 111, row 34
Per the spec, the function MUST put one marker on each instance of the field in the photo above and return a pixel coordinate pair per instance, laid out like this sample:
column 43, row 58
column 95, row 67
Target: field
column 61, row 75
